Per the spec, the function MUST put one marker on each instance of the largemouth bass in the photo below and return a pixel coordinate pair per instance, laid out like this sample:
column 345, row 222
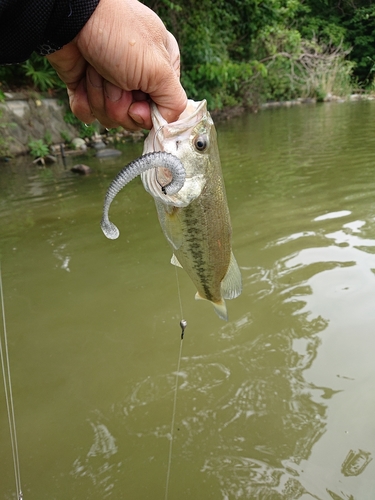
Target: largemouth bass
column 195, row 220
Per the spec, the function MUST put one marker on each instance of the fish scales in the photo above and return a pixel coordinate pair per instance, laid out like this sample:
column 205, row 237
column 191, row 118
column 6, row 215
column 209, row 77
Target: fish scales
column 196, row 220
column 207, row 244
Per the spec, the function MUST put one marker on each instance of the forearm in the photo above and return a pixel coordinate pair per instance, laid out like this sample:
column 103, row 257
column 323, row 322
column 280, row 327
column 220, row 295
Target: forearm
column 43, row 26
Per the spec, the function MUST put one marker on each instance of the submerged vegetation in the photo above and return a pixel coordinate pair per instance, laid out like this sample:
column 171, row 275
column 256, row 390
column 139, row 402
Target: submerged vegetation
column 246, row 52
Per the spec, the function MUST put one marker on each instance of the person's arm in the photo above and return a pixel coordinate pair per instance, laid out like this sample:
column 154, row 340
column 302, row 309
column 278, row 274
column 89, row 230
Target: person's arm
column 43, row 26
column 119, row 60
column 122, row 58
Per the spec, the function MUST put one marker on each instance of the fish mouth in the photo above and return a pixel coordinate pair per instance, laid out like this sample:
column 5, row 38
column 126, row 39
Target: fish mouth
column 193, row 108
column 167, row 137
column 194, row 112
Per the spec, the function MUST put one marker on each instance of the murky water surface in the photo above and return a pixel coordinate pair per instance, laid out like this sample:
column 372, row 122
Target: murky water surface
column 278, row 403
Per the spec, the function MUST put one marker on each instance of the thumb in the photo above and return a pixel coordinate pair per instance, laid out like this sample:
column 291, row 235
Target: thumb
column 172, row 100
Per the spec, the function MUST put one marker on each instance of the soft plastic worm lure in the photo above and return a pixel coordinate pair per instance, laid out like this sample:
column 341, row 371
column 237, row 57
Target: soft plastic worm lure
column 132, row 170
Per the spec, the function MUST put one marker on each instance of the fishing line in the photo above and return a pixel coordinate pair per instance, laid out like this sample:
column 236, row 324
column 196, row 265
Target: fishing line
column 172, row 423
column 183, row 325
column 5, row 366
column 179, row 293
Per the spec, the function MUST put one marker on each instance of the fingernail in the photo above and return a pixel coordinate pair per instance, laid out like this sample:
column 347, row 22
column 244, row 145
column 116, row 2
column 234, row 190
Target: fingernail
column 137, row 118
column 113, row 92
column 95, row 79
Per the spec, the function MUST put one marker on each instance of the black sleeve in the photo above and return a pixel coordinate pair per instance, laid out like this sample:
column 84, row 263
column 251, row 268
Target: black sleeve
column 43, row 26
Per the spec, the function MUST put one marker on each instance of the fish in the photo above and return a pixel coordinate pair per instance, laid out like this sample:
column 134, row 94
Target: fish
column 180, row 167
column 195, row 220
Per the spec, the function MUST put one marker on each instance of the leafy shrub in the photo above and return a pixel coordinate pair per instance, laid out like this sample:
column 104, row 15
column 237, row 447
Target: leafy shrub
column 65, row 136
column 243, row 51
column 41, row 73
column 38, row 149
column 221, row 83
column 36, row 72
column 83, row 129
column 297, row 67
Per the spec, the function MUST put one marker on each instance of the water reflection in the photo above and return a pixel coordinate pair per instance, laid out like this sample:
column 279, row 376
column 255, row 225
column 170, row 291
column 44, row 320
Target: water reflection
column 248, row 406
column 100, row 464
column 355, row 462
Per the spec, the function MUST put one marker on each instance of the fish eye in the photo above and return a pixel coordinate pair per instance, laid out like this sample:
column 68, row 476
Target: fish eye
column 201, row 142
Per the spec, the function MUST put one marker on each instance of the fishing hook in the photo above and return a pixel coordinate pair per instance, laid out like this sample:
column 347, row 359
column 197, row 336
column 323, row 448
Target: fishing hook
column 156, row 134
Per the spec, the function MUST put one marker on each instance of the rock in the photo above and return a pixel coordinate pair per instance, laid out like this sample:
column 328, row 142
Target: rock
column 108, row 153
column 55, row 148
column 81, row 169
column 79, row 143
column 98, row 145
column 22, row 120
column 50, row 159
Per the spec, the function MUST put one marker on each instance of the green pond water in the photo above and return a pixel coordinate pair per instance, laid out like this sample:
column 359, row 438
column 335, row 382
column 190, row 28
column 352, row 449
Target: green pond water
column 278, row 403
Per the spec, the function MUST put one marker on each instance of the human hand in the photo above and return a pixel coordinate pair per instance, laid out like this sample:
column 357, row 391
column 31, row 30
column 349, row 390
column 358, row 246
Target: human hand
column 122, row 58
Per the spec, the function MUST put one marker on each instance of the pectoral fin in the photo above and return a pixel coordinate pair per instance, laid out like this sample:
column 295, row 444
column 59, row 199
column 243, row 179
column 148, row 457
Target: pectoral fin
column 231, row 286
column 170, row 224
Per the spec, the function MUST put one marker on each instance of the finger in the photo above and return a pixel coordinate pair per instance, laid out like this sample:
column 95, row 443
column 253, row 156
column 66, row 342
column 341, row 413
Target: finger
column 170, row 98
column 140, row 113
column 79, row 103
column 174, row 53
column 95, row 94
column 117, row 104
column 108, row 103
column 69, row 64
